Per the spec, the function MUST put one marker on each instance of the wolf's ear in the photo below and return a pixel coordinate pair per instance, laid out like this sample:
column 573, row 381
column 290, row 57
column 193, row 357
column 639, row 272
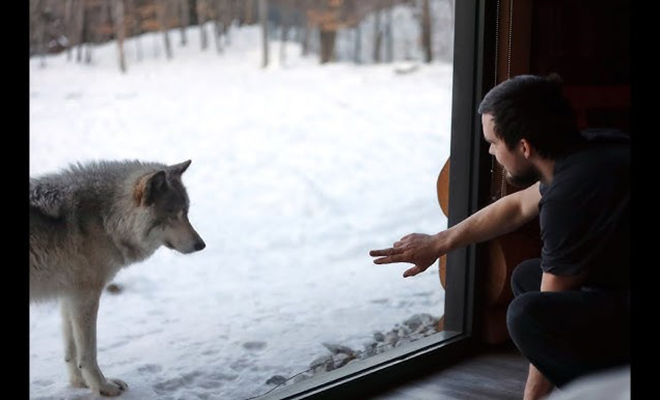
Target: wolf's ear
column 180, row 168
column 150, row 187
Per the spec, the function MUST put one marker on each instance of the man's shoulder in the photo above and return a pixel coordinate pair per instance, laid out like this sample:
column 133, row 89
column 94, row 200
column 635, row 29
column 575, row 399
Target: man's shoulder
column 596, row 171
column 602, row 155
column 606, row 135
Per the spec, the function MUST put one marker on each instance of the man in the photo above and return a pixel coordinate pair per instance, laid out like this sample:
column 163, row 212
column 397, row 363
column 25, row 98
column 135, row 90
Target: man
column 570, row 314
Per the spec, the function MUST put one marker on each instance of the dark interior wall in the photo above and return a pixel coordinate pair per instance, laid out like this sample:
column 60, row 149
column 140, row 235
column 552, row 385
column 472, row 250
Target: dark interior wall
column 587, row 42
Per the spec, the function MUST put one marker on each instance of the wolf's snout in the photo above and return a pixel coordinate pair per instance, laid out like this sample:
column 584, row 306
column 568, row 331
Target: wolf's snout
column 199, row 245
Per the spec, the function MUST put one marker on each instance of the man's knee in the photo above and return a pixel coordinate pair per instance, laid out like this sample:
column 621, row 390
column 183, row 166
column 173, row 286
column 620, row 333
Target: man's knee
column 526, row 277
column 524, row 313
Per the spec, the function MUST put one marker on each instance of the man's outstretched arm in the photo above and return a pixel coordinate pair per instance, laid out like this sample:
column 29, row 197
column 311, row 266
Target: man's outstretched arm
column 503, row 216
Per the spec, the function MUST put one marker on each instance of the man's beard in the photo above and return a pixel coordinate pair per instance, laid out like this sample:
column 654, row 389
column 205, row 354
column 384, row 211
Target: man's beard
column 524, row 179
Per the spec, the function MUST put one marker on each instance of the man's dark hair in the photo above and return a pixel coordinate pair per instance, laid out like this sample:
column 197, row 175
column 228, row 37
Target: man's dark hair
column 534, row 108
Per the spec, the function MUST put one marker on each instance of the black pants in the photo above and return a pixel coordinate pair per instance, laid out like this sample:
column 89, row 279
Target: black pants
column 567, row 334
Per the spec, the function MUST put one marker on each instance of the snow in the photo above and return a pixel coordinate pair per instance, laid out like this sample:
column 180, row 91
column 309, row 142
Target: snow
column 297, row 171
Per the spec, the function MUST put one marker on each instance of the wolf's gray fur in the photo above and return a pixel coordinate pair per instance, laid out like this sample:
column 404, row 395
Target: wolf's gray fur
column 86, row 223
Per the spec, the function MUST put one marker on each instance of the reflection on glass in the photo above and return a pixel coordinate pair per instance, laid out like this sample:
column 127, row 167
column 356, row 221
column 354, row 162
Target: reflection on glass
column 299, row 168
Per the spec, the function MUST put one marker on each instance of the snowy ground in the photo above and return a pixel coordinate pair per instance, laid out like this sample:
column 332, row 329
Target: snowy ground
column 297, row 172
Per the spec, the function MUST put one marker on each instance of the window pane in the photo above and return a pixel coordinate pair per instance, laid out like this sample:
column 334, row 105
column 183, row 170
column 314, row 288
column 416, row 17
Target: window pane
column 298, row 169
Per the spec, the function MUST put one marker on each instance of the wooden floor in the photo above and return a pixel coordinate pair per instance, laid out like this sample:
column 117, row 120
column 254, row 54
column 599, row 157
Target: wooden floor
column 498, row 374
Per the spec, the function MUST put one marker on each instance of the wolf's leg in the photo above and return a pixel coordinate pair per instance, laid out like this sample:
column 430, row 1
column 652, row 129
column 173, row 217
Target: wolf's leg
column 75, row 375
column 83, row 309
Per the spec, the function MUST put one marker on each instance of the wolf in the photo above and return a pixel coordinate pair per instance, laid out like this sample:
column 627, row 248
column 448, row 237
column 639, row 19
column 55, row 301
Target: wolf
column 86, row 223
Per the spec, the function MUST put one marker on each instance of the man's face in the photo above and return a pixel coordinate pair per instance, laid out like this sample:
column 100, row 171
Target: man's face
column 519, row 171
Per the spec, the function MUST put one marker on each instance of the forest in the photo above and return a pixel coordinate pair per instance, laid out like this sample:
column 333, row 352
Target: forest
column 367, row 29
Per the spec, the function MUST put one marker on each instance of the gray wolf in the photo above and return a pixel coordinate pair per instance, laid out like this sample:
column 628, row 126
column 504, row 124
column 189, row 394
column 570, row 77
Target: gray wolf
column 86, row 223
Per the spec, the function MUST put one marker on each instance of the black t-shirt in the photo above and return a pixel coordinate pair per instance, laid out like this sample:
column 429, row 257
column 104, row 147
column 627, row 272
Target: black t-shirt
column 585, row 212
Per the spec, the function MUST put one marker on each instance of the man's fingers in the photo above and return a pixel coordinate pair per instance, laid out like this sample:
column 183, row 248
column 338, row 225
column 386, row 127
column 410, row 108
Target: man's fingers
column 378, row 253
column 386, row 252
column 394, row 255
column 412, row 271
column 391, row 259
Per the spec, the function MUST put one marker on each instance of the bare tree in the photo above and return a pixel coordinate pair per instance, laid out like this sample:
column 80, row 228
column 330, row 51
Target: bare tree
column 389, row 34
column 38, row 29
column 330, row 17
column 327, row 38
column 228, row 19
column 357, row 12
column 263, row 17
column 69, row 25
column 326, row 18
column 445, row 30
column 314, row 39
column 163, row 12
column 183, row 9
column 85, row 23
column 286, row 16
column 305, row 35
column 87, row 48
column 134, row 17
column 426, row 31
column 377, row 36
column 202, row 11
column 358, row 44
column 216, row 12
column 249, row 11
column 48, row 27
column 98, row 24
column 117, row 7
column 80, row 28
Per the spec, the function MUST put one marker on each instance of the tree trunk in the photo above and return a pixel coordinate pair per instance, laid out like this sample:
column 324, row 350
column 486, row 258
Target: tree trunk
column 32, row 26
column 88, row 53
column 426, row 31
column 327, row 38
column 263, row 16
column 218, row 13
column 358, row 44
column 80, row 29
column 38, row 27
column 68, row 27
column 92, row 36
column 377, row 37
column 390, row 33
column 217, row 33
column 249, row 11
column 228, row 19
column 117, row 7
column 138, row 47
column 79, row 50
column 134, row 30
column 286, row 22
column 106, row 21
column 156, row 47
column 305, row 37
column 201, row 20
column 163, row 10
column 184, row 15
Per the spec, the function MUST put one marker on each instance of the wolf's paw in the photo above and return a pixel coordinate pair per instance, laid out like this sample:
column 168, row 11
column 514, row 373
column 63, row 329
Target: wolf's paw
column 112, row 387
column 76, row 379
column 77, row 382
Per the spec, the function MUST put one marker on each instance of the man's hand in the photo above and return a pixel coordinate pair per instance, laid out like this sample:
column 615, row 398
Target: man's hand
column 416, row 248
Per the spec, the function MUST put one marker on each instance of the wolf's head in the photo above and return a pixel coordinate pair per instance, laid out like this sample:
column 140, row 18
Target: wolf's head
column 163, row 193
